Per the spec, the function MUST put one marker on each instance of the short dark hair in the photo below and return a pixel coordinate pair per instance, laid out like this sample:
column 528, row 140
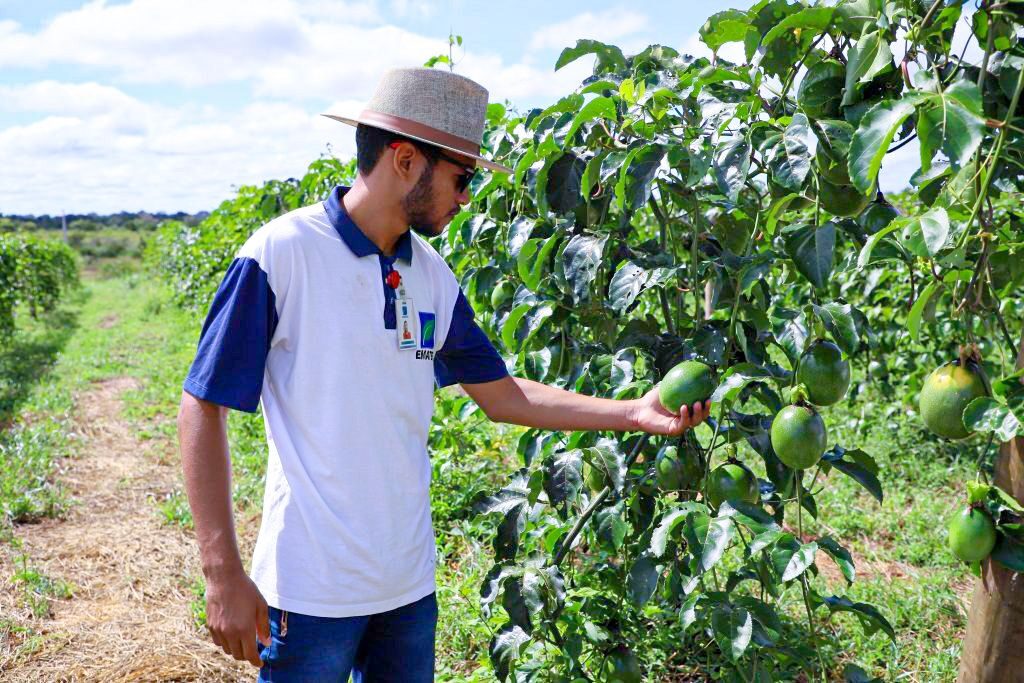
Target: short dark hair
column 371, row 143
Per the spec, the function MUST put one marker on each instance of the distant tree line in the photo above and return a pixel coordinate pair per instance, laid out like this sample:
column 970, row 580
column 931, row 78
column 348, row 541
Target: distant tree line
column 140, row 221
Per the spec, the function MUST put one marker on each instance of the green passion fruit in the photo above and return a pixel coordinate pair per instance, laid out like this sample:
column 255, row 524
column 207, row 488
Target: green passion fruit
column 821, row 91
column 945, row 394
column 833, row 151
column 824, row 372
column 732, row 481
column 799, row 436
column 972, row 534
column 879, row 214
column 502, row 293
column 687, row 383
column 842, row 200
column 677, row 470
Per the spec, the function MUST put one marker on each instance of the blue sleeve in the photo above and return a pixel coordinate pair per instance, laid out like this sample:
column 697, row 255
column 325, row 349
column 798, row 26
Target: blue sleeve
column 232, row 353
column 467, row 357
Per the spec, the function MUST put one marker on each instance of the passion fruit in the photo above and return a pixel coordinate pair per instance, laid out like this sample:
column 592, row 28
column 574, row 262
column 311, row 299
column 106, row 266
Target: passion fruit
column 945, row 394
column 501, row 294
column 799, row 436
column 878, row 215
column 732, row 481
column 972, row 534
column 687, row 383
column 824, row 372
column 833, row 151
column 821, row 91
column 677, row 470
column 842, row 200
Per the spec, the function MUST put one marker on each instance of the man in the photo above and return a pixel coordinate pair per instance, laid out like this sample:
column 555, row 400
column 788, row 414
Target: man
column 340, row 321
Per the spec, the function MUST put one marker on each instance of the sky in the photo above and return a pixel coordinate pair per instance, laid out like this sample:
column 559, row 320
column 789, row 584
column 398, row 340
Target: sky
column 168, row 105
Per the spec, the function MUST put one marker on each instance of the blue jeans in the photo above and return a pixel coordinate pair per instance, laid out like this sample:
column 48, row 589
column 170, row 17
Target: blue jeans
column 391, row 646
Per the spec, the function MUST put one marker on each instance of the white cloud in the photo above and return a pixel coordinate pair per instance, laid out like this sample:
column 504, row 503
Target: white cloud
column 607, row 26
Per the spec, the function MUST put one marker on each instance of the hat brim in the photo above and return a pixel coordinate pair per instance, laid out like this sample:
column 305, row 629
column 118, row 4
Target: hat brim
column 485, row 163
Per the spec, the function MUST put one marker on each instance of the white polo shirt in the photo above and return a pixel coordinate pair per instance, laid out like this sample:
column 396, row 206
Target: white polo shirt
column 304, row 323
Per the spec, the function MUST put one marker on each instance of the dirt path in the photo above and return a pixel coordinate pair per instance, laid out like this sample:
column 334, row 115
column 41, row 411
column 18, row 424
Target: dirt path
column 129, row 618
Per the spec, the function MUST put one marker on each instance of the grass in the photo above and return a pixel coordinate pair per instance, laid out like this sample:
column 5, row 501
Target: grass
column 127, row 326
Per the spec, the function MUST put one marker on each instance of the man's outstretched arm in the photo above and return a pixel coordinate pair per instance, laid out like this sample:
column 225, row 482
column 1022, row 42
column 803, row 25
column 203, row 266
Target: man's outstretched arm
column 532, row 404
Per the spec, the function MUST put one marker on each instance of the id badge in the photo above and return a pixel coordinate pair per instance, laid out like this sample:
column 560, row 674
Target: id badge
column 406, row 327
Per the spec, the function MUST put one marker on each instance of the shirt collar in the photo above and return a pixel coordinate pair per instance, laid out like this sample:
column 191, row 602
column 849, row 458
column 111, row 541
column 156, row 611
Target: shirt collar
column 357, row 241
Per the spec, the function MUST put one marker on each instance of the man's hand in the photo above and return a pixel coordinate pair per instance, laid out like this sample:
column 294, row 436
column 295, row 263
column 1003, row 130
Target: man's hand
column 652, row 417
column 236, row 614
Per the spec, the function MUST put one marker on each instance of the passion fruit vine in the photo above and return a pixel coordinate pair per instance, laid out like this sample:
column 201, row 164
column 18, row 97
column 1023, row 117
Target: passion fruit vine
column 732, row 481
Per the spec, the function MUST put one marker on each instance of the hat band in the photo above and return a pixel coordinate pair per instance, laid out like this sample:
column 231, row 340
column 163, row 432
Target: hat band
column 419, row 130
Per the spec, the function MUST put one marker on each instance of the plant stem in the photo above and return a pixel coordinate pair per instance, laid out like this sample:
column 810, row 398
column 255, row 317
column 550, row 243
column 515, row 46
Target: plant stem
column 803, row 577
column 598, row 499
column 693, row 263
column 662, row 296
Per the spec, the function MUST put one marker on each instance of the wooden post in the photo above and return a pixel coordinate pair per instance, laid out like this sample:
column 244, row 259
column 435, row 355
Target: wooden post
column 994, row 646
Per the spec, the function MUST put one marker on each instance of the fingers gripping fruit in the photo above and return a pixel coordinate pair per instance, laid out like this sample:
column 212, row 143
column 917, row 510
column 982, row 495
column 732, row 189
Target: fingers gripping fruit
column 687, row 383
column 799, row 436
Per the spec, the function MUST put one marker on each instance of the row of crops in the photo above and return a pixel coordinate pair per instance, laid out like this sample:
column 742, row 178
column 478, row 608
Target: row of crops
column 34, row 275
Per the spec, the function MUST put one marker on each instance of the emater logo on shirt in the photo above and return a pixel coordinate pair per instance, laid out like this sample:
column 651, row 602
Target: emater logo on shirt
column 426, row 336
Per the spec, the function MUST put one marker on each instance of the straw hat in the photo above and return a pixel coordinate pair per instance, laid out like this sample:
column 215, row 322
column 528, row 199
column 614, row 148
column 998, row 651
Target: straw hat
column 430, row 105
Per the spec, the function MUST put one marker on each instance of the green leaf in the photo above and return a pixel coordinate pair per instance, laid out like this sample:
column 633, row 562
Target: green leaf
column 735, row 378
column 720, row 533
column 642, row 580
column 599, row 107
column 731, row 165
column 626, row 285
column 868, row 58
column 609, row 57
column 838, row 320
column 533, row 258
column 865, row 253
column 580, row 262
column 870, row 618
column 563, row 476
column 842, row 557
column 733, row 628
column 952, row 122
column 518, row 232
column 987, row 415
column 873, row 136
column 663, row 532
column 730, row 26
column 860, row 469
column 562, row 183
column 917, row 310
column 791, row 159
column 511, row 325
column 507, row 646
column 812, row 249
column 816, row 18
column 800, row 561
column 1009, row 553
column 634, row 186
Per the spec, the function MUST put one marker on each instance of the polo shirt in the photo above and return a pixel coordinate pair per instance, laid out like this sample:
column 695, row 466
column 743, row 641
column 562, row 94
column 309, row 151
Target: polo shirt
column 304, row 326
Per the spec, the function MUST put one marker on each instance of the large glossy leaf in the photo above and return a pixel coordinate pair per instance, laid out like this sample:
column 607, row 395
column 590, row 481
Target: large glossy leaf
column 626, row 285
column 815, row 18
column 599, row 107
column 720, row 533
column 506, row 647
column 791, row 161
column 562, row 190
column 987, row 415
column 842, row 557
column 609, row 57
column 873, row 136
column 735, row 378
column 839, row 321
column 857, row 465
column 732, row 628
column 917, row 310
column 580, row 262
column 563, row 476
column 870, row 618
column 642, row 580
column 812, row 249
column 952, row 122
column 730, row 26
column 731, row 165
column 868, row 58
column 634, row 186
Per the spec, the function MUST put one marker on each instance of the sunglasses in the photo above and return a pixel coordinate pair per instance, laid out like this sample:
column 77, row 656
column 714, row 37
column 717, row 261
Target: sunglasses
column 462, row 180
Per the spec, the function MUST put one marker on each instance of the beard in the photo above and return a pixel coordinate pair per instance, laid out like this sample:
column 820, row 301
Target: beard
column 419, row 202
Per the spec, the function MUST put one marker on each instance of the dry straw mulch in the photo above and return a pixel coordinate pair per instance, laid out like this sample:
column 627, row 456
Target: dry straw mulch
column 129, row 618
